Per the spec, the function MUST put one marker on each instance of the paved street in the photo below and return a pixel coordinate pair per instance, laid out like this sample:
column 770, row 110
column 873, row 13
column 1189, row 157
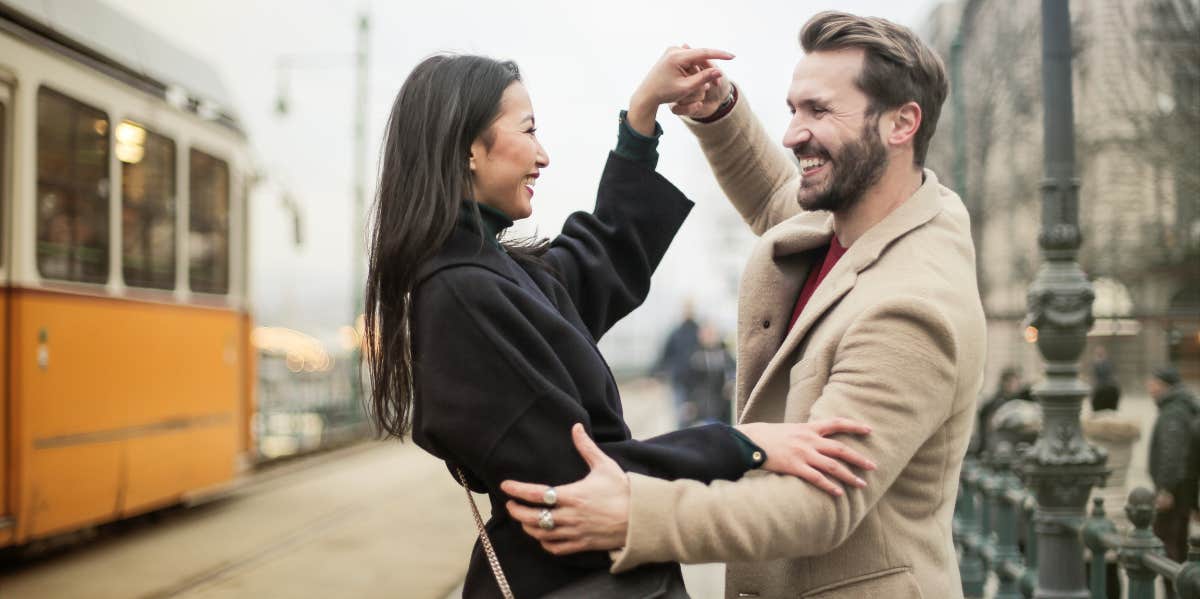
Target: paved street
column 375, row 520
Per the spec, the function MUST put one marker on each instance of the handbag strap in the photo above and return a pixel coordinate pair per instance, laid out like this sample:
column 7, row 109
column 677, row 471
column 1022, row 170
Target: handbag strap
column 493, row 561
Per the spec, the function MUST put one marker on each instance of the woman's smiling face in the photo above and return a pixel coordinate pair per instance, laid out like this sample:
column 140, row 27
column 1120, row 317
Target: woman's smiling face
column 507, row 158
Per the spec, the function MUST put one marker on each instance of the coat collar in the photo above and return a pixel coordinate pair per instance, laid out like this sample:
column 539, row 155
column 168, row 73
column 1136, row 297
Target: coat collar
column 467, row 246
column 810, row 230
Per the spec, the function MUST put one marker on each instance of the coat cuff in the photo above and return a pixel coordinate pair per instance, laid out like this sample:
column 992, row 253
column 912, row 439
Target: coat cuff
column 735, row 123
column 647, row 538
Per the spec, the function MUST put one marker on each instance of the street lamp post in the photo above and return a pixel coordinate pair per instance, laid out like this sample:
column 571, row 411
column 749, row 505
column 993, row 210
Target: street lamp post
column 358, row 165
column 1062, row 466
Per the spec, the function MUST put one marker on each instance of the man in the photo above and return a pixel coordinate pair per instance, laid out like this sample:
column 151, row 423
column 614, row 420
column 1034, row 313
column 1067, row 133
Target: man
column 1171, row 468
column 859, row 301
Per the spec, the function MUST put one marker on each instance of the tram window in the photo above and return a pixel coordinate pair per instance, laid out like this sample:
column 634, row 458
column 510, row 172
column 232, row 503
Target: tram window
column 208, row 232
column 3, row 169
column 148, row 206
column 72, row 189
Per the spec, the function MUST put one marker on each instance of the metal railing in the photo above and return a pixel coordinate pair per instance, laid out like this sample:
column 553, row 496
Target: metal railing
column 994, row 528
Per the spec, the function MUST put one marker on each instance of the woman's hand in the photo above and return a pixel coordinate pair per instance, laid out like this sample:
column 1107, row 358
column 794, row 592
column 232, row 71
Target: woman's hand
column 682, row 76
column 804, row 450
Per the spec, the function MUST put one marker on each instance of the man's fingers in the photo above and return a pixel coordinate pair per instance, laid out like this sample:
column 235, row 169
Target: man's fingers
column 834, row 426
column 815, row 478
column 528, row 492
column 565, row 547
column 686, row 109
column 841, row 451
column 695, row 84
column 587, row 448
column 523, row 513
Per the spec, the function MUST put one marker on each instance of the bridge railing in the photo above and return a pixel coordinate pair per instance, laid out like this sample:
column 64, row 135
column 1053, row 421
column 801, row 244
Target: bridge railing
column 994, row 531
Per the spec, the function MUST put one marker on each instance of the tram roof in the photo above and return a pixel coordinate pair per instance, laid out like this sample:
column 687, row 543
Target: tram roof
column 105, row 35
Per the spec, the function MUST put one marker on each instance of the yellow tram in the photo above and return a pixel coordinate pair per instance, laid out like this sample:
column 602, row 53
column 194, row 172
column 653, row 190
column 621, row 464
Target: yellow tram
column 126, row 374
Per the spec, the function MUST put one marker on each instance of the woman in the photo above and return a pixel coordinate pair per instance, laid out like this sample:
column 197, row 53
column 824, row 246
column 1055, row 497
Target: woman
column 490, row 347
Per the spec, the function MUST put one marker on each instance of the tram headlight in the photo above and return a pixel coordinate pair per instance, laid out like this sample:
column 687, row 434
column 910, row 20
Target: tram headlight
column 131, row 143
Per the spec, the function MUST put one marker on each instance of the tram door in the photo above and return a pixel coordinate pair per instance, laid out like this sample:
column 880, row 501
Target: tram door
column 6, row 160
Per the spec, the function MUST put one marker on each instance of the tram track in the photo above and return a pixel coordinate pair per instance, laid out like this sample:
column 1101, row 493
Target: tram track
column 231, row 567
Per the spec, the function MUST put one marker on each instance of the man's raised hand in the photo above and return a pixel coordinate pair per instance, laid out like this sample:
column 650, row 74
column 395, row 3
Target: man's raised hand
column 683, row 76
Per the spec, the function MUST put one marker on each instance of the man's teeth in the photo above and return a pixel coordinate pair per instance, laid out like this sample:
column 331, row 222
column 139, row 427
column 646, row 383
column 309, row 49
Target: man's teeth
column 808, row 163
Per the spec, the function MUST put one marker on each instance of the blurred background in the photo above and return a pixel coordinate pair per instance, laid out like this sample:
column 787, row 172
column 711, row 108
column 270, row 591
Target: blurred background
column 185, row 187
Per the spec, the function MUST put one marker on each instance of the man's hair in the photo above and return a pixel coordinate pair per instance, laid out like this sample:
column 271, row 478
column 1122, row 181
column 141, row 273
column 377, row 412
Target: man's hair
column 897, row 68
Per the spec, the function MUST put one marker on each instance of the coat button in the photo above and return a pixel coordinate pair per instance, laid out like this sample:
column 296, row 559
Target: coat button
column 766, row 324
column 756, row 456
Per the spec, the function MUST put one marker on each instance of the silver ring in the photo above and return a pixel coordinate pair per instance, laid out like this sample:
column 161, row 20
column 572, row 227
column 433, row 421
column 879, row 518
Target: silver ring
column 550, row 497
column 546, row 520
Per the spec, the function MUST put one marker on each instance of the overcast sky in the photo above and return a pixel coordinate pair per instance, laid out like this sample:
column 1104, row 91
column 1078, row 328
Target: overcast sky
column 580, row 61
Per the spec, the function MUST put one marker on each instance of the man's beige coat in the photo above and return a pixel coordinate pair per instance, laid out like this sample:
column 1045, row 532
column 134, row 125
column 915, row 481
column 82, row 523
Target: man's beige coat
column 894, row 337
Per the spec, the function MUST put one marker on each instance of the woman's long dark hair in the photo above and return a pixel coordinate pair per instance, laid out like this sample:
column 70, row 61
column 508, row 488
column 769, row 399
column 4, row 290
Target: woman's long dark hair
column 447, row 102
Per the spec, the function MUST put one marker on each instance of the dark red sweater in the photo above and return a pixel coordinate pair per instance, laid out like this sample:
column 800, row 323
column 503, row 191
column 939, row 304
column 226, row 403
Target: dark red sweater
column 833, row 252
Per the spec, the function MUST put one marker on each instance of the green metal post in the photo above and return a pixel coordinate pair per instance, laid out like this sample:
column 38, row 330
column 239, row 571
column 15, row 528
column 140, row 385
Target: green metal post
column 1007, row 549
column 970, row 569
column 1062, row 466
column 1140, row 509
column 1188, row 582
column 1098, row 524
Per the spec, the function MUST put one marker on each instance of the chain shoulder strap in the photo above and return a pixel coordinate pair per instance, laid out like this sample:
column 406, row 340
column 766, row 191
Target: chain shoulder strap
column 493, row 561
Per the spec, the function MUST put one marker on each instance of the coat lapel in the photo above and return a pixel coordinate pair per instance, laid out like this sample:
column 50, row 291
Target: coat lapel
column 916, row 211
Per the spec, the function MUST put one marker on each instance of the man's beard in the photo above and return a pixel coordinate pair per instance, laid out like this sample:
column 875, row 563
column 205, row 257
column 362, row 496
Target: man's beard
column 859, row 165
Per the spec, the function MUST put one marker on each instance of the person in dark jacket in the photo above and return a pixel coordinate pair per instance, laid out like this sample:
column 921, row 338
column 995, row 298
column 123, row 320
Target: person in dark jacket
column 710, row 369
column 1011, row 387
column 674, row 362
column 1106, row 391
column 1174, row 482
column 486, row 348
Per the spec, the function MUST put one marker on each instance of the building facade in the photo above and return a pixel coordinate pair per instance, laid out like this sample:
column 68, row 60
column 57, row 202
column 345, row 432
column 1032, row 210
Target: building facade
column 1137, row 117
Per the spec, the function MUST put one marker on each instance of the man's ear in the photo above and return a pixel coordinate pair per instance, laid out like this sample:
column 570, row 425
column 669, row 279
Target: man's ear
column 906, row 121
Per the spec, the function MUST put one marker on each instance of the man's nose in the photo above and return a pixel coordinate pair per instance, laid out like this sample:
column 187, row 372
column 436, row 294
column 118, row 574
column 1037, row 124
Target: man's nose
column 797, row 133
column 796, row 136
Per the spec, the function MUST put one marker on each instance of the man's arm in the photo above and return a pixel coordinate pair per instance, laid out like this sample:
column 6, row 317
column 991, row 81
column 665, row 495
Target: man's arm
column 753, row 171
column 895, row 371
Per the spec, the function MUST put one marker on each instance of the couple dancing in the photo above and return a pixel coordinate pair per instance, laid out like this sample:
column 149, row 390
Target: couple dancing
column 860, row 330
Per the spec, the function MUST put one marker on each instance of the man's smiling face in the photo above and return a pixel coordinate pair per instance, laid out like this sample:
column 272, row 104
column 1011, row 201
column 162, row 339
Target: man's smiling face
column 833, row 132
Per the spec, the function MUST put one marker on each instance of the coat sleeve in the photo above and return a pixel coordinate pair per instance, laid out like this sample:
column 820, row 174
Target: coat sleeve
column 1172, row 439
column 495, row 397
column 605, row 259
column 768, row 516
column 753, row 171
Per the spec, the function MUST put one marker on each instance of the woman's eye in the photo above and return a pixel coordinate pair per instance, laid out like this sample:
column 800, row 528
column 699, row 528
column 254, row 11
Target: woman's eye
column 531, row 130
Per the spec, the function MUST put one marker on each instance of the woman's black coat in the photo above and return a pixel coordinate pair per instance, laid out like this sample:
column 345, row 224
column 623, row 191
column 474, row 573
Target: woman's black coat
column 506, row 362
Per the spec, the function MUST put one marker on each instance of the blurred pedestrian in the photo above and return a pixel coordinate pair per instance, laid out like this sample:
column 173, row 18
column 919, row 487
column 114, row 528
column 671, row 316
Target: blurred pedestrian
column 488, row 346
column 710, row 369
column 674, row 361
column 1175, row 483
column 1009, row 388
column 1106, row 392
column 1116, row 433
